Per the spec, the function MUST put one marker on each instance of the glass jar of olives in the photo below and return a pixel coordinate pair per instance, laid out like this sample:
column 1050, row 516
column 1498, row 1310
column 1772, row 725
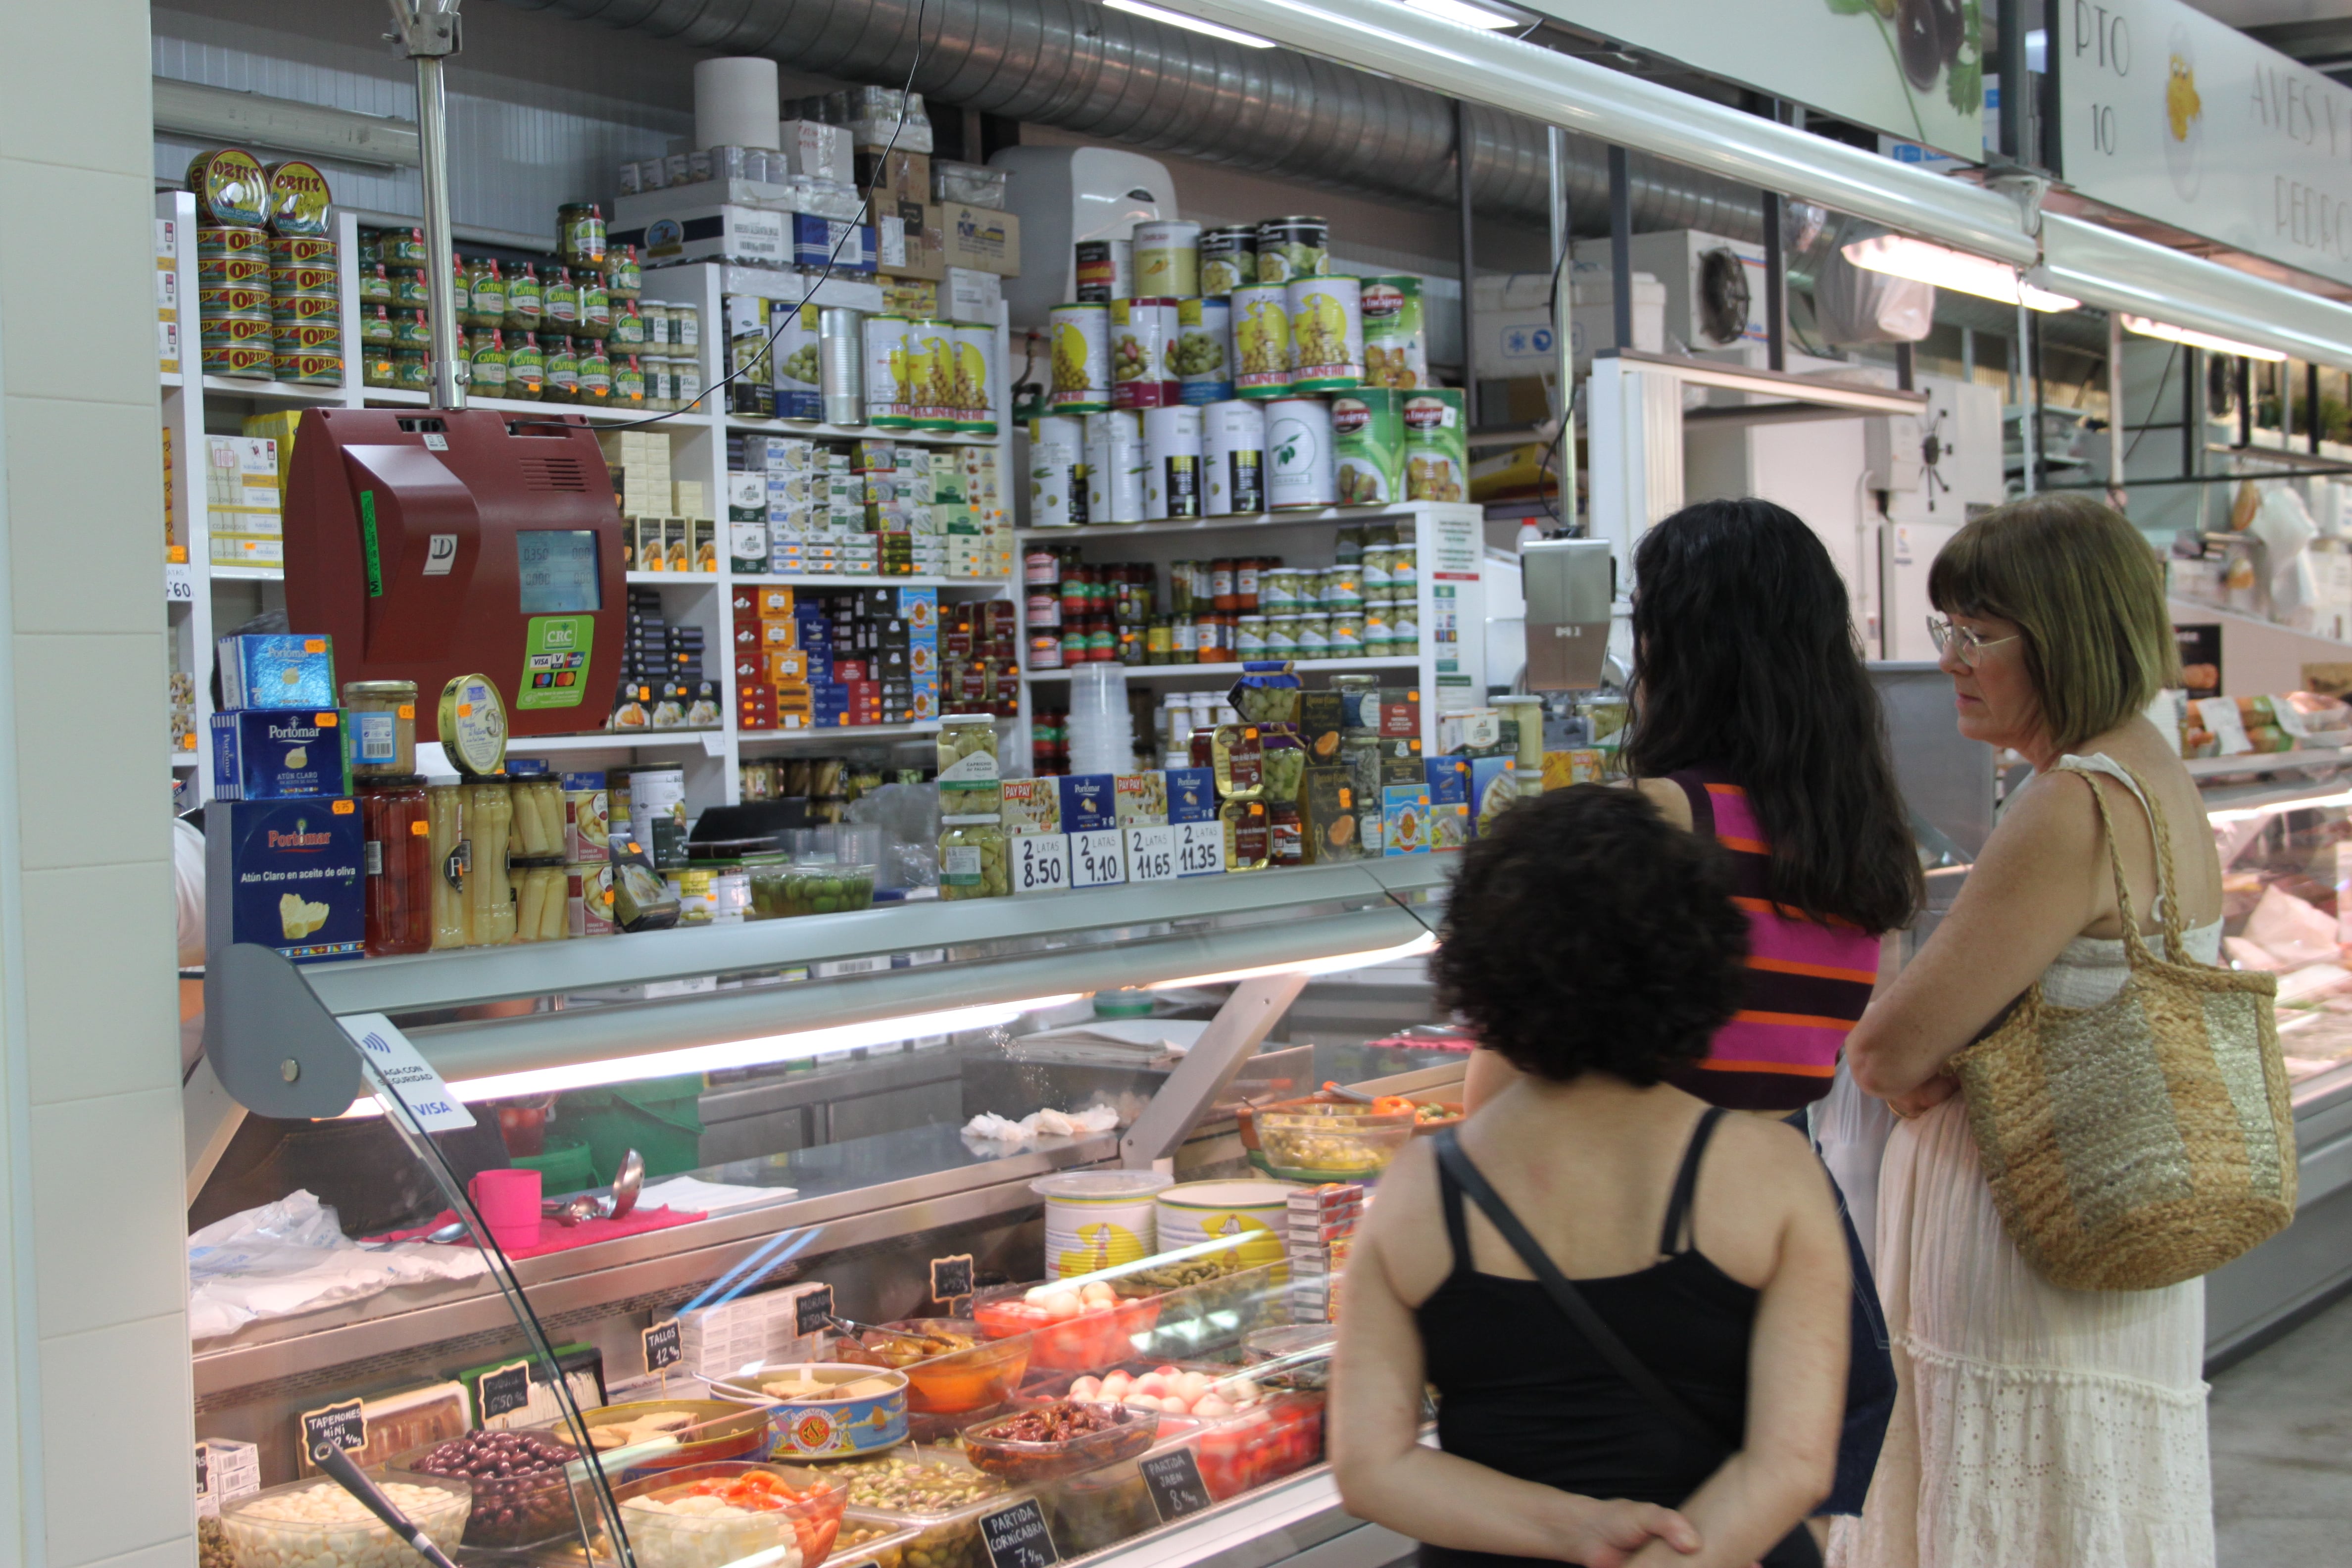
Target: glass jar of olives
column 972, row 863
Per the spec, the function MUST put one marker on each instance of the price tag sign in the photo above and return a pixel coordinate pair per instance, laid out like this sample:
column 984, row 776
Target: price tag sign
column 1016, row 1537
column 1200, row 848
column 951, row 1277
column 179, row 583
column 813, row 1313
column 1041, row 862
column 1174, row 1481
column 1095, row 859
column 1151, row 854
column 343, row 1426
column 507, row 1390
column 662, row 1346
column 395, row 1063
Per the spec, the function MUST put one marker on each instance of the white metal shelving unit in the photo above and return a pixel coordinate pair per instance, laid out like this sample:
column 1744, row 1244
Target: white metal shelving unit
column 202, row 598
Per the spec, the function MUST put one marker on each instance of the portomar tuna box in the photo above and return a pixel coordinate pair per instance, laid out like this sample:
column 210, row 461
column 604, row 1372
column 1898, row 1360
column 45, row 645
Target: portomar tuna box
column 292, row 877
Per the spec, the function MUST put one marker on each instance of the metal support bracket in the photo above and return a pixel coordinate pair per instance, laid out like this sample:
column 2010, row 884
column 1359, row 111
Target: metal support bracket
column 1209, row 1068
column 270, row 1041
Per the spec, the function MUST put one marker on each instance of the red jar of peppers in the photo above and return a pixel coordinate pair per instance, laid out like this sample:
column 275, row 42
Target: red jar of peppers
column 399, row 865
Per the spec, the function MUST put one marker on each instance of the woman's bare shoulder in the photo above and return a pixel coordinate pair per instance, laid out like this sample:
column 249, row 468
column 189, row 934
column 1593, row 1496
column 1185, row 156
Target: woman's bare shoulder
column 1668, row 797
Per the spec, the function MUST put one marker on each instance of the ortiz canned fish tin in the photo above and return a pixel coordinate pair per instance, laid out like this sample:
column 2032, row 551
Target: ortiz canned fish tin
column 225, row 332
column 225, row 240
column 307, row 337
column 309, row 277
column 298, row 198
column 240, row 271
column 241, row 300
column 230, row 187
column 326, row 308
column 301, row 250
column 309, row 369
column 1081, row 343
column 251, row 359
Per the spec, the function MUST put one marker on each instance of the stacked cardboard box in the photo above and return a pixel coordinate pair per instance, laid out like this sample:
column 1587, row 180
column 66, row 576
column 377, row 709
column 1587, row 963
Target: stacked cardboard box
column 242, row 497
column 834, row 658
column 1323, row 1221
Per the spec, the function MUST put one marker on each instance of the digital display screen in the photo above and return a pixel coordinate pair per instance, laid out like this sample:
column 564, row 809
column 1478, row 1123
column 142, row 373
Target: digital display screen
column 558, row 571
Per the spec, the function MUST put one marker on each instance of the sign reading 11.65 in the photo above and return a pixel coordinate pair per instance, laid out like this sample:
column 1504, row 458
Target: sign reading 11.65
column 2167, row 113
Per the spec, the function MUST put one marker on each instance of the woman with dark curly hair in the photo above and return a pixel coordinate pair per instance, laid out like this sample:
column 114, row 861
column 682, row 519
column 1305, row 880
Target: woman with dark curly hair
column 1678, row 1401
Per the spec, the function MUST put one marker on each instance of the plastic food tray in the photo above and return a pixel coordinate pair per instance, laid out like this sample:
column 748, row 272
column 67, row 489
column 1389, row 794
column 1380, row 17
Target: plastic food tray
column 1031, row 1463
column 946, row 1537
column 685, row 1540
column 1103, row 1337
column 1313, row 1139
column 364, row 1542
column 508, row 1512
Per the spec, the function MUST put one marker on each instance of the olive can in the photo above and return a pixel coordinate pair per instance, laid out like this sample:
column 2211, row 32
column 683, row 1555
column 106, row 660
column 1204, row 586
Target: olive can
column 231, row 188
column 1232, row 456
column 796, row 354
column 1142, row 332
column 1057, row 479
column 1298, row 446
column 1261, row 323
column 526, row 368
column 1171, row 463
column 1106, row 270
column 1437, row 455
column 931, row 362
column 298, row 199
column 1396, row 335
column 1228, row 260
column 1115, row 464
column 890, row 394
column 976, row 379
column 579, row 234
column 1204, row 354
column 1290, row 248
column 1327, row 333
column 1167, row 257
column 840, row 384
column 308, row 278
column 242, row 271
column 1081, row 339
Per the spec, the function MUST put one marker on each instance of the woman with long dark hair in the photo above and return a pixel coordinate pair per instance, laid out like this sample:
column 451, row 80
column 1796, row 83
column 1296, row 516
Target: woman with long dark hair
column 1754, row 724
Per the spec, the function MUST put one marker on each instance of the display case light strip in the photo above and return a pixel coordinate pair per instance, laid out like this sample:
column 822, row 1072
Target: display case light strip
column 1190, row 23
column 1900, row 256
column 1340, row 963
column 2147, row 327
column 2249, row 813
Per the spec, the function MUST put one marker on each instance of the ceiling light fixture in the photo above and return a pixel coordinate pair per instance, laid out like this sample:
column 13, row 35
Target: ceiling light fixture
column 1190, row 23
column 1900, row 256
column 2152, row 329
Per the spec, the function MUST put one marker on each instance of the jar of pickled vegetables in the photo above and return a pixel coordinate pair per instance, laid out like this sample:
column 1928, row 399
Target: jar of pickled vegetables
column 400, row 865
column 973, row 862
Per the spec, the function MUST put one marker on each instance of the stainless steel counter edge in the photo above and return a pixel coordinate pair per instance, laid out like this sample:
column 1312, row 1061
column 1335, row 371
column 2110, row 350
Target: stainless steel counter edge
column 413, row 1316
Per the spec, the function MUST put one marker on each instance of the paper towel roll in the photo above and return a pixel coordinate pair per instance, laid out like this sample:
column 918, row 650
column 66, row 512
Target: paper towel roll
column 736, row 101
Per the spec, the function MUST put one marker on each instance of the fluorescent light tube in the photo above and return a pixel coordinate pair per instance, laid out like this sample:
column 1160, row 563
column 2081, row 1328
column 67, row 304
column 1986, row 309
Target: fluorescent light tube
column 1900, row 256
column 2170, row 334
column 1464, row 13
column 1339, row 964
column 1190, row 23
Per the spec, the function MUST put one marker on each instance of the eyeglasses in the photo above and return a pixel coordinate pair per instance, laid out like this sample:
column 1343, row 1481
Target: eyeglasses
column 1963, row 642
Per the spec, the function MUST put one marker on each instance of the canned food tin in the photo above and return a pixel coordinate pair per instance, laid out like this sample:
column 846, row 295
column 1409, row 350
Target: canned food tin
column 307, row 337
column 1298, row 443
column 579, row 234
column 889, row 395
column 1115, row 463
column 226, row 331
column 1228, row 260
column 840, row 384
column 1368, row 442
column 325, row 308
column 250, row 359
column 241, row 271
column 1396, row 337
column 227, row 240
column 1167, row 257
column 1290, row 248
column 931, row 363
column 1058, row 473
column 1436, row 448
column 1171, row 453
column 1327, row 333
column 231, row 189
column 1105, row 269
column 298, row 199
column 301, row 250
column 307, row 279
column 1232, row 456
column 795, row 354
column 1142, row 334
column 1081, row 336
column 309, row 369
column 976, row 380
column 231, row 300
column 1261, row 327
column 1203, row 355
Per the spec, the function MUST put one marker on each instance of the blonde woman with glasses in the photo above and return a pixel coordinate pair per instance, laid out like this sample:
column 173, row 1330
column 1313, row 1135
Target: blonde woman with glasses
column 2035, row 1425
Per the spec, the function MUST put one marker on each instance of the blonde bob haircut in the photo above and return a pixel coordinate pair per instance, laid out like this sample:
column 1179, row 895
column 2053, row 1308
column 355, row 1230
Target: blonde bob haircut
column 2086, row 591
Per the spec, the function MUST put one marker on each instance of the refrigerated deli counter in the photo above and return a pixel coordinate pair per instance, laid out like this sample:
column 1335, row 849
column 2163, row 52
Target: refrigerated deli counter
column 843, row 1324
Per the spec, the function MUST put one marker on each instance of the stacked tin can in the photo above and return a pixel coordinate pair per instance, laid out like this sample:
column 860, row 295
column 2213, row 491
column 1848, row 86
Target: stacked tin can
column 232, row 192
column 306, row 306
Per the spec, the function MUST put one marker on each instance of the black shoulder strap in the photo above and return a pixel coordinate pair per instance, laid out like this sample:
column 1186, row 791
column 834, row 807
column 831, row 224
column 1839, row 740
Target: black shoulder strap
column 1678, row 1207
column 1702, row 804
column 1570, row 1302
column 1457, row 1227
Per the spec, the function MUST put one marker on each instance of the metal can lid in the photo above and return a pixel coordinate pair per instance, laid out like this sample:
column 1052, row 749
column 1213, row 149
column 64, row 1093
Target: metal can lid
column 473, row 724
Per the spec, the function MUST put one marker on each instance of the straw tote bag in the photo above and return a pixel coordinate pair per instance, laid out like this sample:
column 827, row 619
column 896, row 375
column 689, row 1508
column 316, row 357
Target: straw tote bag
column 2148, row 1139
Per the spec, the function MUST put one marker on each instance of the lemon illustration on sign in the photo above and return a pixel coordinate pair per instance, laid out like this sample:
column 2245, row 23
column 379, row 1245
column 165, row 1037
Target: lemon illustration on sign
column 2181, row 103
column 1069, row 359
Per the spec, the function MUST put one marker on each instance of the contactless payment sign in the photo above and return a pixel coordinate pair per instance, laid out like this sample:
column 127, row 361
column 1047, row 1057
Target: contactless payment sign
column 555, row 661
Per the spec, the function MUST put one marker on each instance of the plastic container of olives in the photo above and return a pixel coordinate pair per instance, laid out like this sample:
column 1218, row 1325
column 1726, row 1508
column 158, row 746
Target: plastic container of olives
column 940, row 1496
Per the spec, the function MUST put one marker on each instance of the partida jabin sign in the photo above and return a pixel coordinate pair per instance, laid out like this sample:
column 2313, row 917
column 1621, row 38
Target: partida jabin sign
column 2170, row 114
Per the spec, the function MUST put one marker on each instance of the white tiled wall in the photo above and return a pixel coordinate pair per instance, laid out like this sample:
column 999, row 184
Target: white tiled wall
column 93, row 1337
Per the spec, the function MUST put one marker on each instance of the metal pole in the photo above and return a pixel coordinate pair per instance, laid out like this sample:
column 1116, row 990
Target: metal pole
column 1462, row 194
column 2012, row 82
column 1621, row 247
column 2310, row 402
column 1563, row 251
column 427, row 31
column 2192, row 413
column 2244, row 381
column 2116, row 423
column 1907, row 367
column 1775, row 298
column 2028, row 416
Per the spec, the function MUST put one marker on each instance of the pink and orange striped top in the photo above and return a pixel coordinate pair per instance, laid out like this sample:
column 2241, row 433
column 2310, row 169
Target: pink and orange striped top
column 1807, row 983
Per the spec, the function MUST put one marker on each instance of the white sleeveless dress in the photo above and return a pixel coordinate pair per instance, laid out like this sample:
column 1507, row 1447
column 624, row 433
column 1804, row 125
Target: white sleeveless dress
column 2035, row 1426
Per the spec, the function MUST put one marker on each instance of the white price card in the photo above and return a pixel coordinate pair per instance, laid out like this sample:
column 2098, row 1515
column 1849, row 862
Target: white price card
column 1041, row 862
column 179, row 583
column 394, row 1065
column 1151, row 854
column 1095, row 859
column 1200, row 848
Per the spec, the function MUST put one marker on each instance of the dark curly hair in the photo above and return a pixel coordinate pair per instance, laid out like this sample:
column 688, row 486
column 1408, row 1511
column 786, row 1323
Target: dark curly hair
column 1587, row 934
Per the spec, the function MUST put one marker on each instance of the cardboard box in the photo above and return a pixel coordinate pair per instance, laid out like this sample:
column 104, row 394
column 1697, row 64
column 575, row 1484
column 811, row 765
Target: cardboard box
column 819, row 151
column 275, row 671
column 1448, row 779
column 892, row 176
column 820, row 242
column 972, row 296
column 291, row 873
column 1494, row 789
column 1191, row 794
column 980, row 238
column 699, row 232
column 1031, row 805
column 272, row 754
column 913, row 298
column 1404, row 819
column 1090, row 801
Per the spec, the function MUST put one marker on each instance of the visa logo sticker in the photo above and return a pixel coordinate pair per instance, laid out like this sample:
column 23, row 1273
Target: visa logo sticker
column 403, row 1077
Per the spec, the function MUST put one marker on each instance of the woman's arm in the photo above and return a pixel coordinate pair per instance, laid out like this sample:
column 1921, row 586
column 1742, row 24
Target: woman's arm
column 1387, row 1477
column 1796, row 1377
column 2032, row 890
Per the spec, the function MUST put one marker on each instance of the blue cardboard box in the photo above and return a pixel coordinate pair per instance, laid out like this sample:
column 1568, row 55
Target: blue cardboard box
column 1191, row 794
column 814, row 240
column 1088, row 803
column 1494, row 787
column 280, row 753
column 265, row 671
column 292, row 876
column 1449, row 780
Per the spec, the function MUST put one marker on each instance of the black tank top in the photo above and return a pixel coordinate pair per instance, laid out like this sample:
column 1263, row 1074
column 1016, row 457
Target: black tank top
column 1521, row 1392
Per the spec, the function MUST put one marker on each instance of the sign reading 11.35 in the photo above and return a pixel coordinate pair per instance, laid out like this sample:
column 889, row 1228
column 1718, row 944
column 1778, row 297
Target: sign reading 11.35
column 2167, row 113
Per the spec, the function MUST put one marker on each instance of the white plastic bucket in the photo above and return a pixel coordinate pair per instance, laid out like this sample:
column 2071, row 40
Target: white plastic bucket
column 1099, row 1219
column 1255, row 1213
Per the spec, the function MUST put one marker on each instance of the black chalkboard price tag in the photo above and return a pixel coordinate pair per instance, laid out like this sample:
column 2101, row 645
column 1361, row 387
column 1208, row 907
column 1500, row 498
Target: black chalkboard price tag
column 813, row 1313
column 1174, row 1481
column 662, row 1346
column 504, row 1391
column 952, row 1276
column 1016, row 1537
column 343, row 1426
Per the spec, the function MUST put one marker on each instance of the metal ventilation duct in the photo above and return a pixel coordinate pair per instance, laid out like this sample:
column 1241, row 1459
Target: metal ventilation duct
column 1079, row 67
